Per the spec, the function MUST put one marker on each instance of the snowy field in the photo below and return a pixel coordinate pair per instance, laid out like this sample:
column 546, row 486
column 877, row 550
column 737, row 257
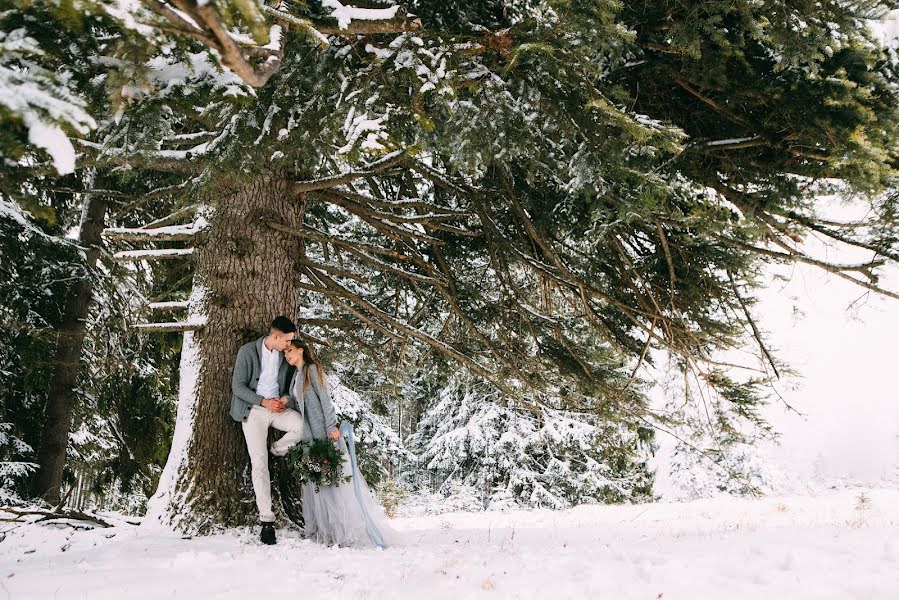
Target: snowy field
column 843, row 545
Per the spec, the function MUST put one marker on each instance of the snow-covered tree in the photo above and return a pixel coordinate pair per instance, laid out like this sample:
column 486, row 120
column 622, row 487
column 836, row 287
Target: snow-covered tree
column 530, row 455
column 538, row 191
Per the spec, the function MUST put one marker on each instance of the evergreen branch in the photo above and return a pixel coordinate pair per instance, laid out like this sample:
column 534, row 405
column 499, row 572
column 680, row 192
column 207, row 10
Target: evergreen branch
column 148, row 197
column 174, row 305
column 232, row 55
column 335, row 323
column 401, row 23
column 58, row 513
column 728, row 114
column 442, row 347
column 836, row 269
column 305, row 24
column 388, row 161
column 318, row 236
column 672, row 279
column 436, row 211
column 450, row 296
column 755, row 329
column 173, row 288
column 354, row 248
column 170, row 161
column 749, row 142
column 334, row 270
column 206, row 26
column 562, row 275
column 368, row 205
column 390, row 230
column 836, row 235
column 640, row 360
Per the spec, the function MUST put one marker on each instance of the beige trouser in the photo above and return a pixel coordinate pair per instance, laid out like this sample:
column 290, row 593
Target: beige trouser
column 255, row 430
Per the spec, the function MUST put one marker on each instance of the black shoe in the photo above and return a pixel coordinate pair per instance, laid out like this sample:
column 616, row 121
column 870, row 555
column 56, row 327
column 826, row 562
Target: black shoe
column 268, row 534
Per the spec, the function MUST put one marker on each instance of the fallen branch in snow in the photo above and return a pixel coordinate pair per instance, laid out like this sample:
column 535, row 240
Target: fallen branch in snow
column 48, row 515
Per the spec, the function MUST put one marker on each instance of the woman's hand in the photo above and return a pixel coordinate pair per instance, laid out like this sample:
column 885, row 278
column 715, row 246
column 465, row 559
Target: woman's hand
column 334, row 434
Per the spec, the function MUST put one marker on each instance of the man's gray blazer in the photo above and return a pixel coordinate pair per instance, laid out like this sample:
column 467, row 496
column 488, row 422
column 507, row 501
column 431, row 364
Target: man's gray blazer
column 245, row 377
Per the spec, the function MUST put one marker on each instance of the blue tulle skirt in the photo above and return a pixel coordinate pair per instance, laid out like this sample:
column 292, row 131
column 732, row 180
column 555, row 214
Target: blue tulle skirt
column 347, row 514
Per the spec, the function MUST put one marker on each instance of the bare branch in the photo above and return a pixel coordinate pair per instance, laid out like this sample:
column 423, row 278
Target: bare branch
column 388, row 161
column 151, row 255
column 178, row 233
column 836, row 269
column 755, row 330
column 179, row 304
column 173, row 327
column 172, row 218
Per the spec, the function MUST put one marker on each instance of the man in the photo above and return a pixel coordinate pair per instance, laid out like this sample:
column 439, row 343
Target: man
column 260, row 386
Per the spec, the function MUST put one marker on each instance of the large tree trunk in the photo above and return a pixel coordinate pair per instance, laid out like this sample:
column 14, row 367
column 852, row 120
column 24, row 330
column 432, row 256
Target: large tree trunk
column 244, row 276
column 67, row 357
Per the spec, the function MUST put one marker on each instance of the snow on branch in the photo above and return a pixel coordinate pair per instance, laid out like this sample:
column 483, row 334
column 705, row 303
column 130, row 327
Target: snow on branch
column 177, row 233
column 167, row 305
column 306, row 24
column 171, row 218
column 392, row 19
column 164, row 254
column 44, row 104
column 202, row 21
column 173, row 327
column 345, row 14
column 254, row 63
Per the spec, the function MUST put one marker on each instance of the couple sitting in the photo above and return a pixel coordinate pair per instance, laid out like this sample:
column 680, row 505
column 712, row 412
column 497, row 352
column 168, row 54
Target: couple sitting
column 279, row 382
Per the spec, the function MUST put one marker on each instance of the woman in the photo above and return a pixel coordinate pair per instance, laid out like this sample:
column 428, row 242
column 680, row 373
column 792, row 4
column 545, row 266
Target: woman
column 345, row 514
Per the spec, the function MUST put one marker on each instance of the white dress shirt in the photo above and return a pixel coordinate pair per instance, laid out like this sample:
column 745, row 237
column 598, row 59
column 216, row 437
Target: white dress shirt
column 270, row 360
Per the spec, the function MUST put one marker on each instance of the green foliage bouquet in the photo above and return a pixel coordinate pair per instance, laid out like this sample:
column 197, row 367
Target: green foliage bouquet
column 319, row 462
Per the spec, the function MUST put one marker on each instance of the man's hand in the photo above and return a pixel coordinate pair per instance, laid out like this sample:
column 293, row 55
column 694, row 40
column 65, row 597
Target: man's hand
column 334, row 434
column 273, row 404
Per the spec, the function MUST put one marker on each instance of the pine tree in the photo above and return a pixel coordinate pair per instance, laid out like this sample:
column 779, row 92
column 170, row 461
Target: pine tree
column 545, row 455
column 541, row 192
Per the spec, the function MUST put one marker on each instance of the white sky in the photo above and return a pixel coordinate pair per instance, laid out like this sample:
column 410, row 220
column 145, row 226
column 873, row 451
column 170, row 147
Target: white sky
column 842, row 340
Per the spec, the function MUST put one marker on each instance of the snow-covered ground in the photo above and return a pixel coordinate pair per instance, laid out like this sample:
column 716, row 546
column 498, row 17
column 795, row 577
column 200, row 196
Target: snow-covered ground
column 843, row 545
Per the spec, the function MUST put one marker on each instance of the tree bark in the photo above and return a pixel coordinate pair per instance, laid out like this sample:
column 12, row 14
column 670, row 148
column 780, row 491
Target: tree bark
column 244, row 275
column 67, row 357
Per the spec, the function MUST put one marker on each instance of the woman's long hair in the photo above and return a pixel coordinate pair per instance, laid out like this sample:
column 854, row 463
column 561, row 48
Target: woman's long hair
column 309, row 357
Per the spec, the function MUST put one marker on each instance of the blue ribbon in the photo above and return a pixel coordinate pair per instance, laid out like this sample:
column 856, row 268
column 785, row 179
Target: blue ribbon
column 346, row 430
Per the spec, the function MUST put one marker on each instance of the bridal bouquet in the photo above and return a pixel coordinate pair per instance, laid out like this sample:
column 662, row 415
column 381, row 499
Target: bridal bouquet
column 320, row 462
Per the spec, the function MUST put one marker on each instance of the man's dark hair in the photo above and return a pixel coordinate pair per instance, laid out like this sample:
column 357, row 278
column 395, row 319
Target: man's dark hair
column 283, row 324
